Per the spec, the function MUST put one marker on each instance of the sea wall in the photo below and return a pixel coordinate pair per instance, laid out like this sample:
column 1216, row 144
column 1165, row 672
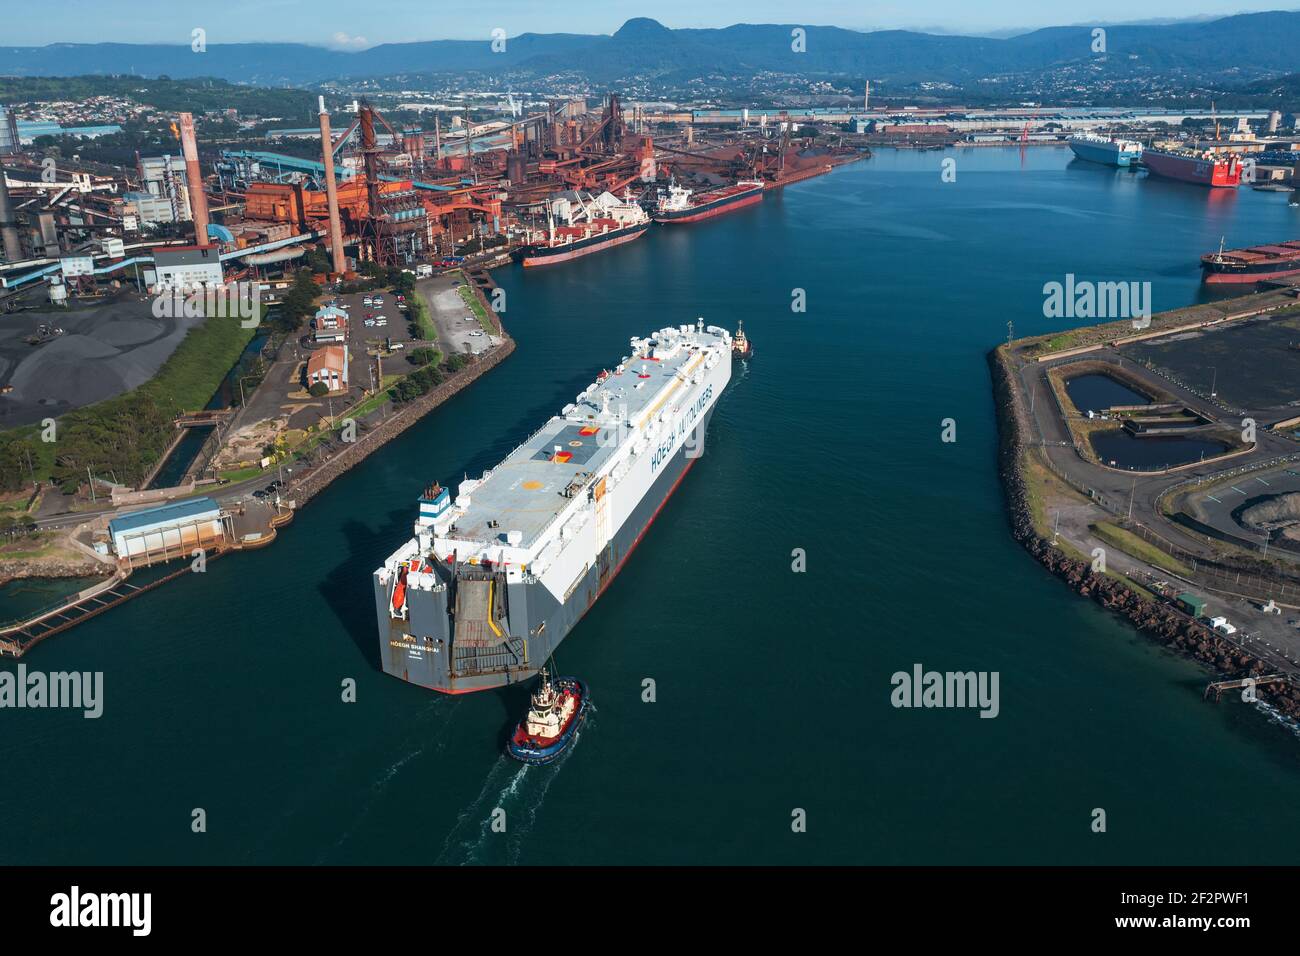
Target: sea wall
column 1171, row 628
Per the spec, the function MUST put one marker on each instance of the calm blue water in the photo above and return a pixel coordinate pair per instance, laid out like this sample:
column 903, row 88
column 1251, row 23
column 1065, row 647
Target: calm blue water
column 223, row 690
column 1097, row 393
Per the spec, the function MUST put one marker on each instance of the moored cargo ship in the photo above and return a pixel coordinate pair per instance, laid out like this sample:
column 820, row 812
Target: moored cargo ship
column 1205, row 167
column 1105, row 150
column 578, row 224
column 677, row 204
column 493, row 580
column 1253, row 264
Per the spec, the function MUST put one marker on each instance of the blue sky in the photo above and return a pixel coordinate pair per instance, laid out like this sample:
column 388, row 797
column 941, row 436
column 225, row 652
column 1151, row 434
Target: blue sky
column 345, row 23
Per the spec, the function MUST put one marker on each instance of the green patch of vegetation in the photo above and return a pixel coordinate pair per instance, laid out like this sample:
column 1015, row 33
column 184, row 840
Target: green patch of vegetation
column 420, row 320
column 472, row 301
column 1130, row 543
column 424, row 357
column 299, row 302
column 197, row 95
column 416, row 384
column 240, row 474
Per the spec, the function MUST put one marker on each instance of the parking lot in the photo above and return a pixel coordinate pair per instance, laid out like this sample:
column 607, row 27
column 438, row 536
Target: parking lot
column 458, row 328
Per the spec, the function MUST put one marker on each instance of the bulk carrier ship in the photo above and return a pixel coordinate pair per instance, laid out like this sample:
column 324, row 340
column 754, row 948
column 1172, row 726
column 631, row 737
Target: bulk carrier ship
column 578, row 224
column 679, row 204
column 494, row 579
column 1254, row 264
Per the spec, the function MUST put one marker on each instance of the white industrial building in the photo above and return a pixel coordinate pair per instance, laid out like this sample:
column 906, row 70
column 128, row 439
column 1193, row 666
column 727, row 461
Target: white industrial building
column 187, row 267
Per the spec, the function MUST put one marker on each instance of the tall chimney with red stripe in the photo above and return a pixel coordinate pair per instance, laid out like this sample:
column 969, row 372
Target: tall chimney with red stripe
column 194, row 179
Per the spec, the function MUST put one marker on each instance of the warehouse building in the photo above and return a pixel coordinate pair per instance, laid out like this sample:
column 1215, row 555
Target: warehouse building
column 168, row 531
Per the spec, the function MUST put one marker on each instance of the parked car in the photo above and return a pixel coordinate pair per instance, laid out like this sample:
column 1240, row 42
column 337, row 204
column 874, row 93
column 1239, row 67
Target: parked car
column 368, row 300
column 379, row 300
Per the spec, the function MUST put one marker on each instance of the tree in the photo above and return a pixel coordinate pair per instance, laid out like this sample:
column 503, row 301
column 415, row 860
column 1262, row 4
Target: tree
column 318, row 389
column 300, row 301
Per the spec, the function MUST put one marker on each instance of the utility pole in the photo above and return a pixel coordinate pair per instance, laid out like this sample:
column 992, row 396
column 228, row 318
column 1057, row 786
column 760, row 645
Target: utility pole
column 90, row 480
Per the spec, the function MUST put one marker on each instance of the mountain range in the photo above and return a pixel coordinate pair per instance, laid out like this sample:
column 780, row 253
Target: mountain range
column 1247, row 46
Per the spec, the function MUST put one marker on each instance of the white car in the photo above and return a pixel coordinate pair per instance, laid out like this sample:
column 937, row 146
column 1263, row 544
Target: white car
column 368, row 300
column 476, row 333
column 379, row 300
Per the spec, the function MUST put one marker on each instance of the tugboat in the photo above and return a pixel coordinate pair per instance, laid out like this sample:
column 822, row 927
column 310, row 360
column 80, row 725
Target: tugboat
column 740, row 347
column 557, row 711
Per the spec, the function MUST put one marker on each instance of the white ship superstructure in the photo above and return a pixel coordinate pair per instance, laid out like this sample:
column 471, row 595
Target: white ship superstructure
column 494, row 579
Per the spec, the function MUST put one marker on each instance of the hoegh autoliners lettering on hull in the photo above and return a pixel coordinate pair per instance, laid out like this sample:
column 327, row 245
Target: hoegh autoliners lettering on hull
column 495, row 579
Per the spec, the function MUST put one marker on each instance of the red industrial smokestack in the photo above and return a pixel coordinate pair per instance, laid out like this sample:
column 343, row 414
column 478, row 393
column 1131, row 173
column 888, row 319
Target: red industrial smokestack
column 194, row 179
column 331, row 190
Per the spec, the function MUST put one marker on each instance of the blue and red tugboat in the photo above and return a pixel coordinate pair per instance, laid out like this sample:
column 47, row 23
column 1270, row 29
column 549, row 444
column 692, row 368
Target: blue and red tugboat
column 557, row 711
column 740, row 346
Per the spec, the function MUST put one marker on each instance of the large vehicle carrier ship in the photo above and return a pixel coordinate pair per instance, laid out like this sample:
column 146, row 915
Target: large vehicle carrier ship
column 1205, row 167
column 1106, row 150
column 494, row 579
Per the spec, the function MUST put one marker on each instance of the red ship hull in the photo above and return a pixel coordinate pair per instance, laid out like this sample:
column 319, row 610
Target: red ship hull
column 543, row 255
column 1222, row 173
column 1255, row 264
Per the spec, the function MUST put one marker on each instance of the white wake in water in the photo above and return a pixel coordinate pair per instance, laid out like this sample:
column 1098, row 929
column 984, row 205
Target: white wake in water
column 508, row 788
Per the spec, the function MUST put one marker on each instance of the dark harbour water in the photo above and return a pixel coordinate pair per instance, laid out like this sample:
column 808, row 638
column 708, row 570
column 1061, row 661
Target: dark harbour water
column 222, row 691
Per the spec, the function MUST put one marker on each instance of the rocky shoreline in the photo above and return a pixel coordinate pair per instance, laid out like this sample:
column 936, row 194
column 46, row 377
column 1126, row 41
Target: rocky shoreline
column 16, row 570
column 1172, row 629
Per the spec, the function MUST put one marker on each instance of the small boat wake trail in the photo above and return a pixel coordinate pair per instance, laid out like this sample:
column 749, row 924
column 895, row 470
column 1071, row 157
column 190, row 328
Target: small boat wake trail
column 517, row 788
